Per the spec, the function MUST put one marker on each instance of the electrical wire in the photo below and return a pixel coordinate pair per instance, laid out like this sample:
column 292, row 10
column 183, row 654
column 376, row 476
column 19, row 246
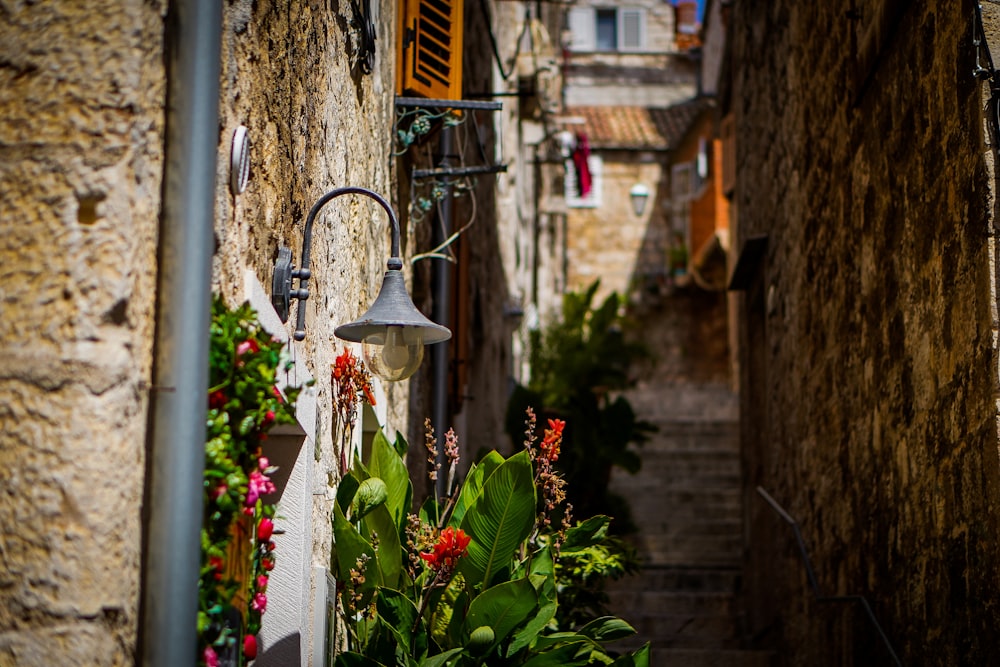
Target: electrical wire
column 493, row 39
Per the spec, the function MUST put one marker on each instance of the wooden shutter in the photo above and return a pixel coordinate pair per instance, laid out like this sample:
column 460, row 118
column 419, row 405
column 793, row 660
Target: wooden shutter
column 631, row 29
column 431, row 49
column 583, row 29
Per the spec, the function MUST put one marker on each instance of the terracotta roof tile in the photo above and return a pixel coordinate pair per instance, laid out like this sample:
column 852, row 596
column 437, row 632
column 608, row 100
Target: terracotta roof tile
column 637, row 127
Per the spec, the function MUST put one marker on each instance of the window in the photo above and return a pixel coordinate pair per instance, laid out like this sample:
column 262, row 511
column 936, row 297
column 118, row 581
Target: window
column 430, row 49
column 607, row 29
column 572, row 189
column 683, row 181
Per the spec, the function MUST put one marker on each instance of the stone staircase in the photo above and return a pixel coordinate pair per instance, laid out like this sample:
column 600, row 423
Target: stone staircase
column 686, row 501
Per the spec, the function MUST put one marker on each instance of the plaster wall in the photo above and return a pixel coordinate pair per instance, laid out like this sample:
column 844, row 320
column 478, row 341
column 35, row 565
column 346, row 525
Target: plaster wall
column 868, row 379
column 81, row 151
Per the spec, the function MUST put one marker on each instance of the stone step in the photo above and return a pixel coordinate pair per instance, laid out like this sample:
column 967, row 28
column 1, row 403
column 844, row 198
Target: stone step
column 680, row 579
column 709, row 658
column 665, row 603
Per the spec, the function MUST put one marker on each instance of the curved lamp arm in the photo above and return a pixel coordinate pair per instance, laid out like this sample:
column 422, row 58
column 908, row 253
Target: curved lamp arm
column 391, row 315
column 394, row 261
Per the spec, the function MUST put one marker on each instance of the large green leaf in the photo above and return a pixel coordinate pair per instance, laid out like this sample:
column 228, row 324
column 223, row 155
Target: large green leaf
column 499, row 520
column 355, row 660
column 542, row 573
column 502, row 607
column 586, row 534
column 564, row 656
column 399, row 616
column 638, row 659
column 526, row 635
column 389, row 554
column 386, row 464
column 348, row 547
column 346, row 489
column 607, row 628
column 441, row 659
column 473, row 486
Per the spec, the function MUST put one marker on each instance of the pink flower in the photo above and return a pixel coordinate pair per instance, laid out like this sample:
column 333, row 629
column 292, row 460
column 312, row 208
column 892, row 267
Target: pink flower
column 261, row 582
column 263, row 463
column 258, row 485
column 247, row 346
column 250, row 647
column 259, row 603
column 220, row 491
column 210, row 657
column 264, row 529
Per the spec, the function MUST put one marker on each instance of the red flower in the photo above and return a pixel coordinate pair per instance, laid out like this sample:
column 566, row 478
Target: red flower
column 250, row 647
column 267, row 563
column 210, row 657
column 259, row 603
column 552, row 440
column 264, row 529
column 451, row 546
column 268, row 418
column 216, row 563
column 217, row 399
column 261, row 582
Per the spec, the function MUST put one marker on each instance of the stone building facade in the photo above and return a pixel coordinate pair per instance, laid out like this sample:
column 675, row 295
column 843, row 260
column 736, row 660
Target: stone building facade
column 867, row 350
column 82, row 145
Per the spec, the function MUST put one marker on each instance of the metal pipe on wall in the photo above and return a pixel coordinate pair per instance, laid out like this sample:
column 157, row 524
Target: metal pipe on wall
column 173, row 498
column 441, row 312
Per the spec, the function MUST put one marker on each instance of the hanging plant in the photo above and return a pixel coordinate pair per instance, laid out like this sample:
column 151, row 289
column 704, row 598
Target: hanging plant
column 237, row 550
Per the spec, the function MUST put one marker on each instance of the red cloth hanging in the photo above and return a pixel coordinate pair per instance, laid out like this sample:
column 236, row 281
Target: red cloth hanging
column 581, row 154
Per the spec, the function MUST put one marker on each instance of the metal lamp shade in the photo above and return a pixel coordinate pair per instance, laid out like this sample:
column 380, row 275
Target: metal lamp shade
column 393, row 307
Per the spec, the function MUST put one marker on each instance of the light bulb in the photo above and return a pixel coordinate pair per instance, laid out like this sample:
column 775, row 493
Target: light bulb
column 395, row 354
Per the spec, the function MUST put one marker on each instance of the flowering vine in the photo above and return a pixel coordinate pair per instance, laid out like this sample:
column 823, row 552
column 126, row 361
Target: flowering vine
column 237, row 549
column 351, row 381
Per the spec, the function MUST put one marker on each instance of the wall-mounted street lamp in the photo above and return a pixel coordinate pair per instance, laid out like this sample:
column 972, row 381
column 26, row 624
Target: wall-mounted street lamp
column 392, row 331
column 638, row 194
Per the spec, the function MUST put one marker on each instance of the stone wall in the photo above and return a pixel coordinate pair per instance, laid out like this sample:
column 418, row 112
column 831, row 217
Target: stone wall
column 610, row 242
column 81, row 152
column 867, row 364
column 315, row 123
column 82, row 96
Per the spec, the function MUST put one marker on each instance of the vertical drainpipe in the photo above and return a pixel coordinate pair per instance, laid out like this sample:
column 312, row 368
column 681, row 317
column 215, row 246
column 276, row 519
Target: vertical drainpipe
column 441, row 281
column 173, row 499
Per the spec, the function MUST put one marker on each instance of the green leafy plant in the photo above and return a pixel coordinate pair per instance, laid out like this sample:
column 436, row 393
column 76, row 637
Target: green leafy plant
column 579, row 364
column 237, row 551
column 471, row 579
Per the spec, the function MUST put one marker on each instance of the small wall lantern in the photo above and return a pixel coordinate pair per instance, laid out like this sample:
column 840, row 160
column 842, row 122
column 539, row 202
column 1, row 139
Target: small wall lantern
column 638, row 194
column 392, row 331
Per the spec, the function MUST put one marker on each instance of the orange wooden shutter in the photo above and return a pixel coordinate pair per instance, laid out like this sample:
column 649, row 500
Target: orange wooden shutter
column 431, row 49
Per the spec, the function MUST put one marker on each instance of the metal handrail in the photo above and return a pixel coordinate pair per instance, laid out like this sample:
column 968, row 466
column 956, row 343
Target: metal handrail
column 811, row 574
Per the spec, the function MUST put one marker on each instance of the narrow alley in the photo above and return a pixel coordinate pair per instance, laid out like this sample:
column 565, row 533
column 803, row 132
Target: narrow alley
column 686, row 498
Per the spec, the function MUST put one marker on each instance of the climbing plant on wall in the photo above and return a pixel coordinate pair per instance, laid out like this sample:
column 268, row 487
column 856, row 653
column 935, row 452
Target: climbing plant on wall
column 237, row 549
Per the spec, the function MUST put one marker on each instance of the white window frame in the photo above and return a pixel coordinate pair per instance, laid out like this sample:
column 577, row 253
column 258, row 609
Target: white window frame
column 582, row 24
column 594, row 197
